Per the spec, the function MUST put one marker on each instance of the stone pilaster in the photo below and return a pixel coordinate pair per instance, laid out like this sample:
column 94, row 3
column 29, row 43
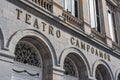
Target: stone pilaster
column 58, row 73
column 107, row 32
column 86, row 16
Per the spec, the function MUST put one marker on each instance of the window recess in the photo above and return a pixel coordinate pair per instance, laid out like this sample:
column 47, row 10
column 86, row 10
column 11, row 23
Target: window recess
column 112, row 24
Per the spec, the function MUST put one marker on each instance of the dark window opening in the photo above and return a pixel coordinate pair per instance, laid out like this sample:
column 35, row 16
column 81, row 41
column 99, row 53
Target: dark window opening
column 98, row 16
column 115, row 32
column 76, row 9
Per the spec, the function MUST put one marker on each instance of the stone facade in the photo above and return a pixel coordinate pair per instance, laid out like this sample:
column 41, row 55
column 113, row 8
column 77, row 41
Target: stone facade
column 38, row 42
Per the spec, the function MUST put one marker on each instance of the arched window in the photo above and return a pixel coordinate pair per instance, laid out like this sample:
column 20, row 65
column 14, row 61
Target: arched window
column 71, row 6
column 26, row 54
column 102, row 73
column 119, row 76
column 70, row 68
column 1, row 39
column 98, row 75
column 75, row 68
column 27, row 62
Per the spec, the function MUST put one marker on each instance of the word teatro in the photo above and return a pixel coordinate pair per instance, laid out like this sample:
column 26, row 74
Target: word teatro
column 38, row 23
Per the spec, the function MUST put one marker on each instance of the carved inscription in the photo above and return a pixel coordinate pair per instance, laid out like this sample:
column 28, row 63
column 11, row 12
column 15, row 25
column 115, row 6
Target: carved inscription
column 36, row 23
column 89, row 49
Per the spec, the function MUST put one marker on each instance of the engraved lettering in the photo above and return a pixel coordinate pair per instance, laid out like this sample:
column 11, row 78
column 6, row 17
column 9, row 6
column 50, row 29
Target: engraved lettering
column 92, row 50
column 96, row 53
column 36, row 23
column 44, row 25
column 19, row 12
column 58, row 34
column 51, row 29
column 105, row 56
column 88, row 47
column 72, row 40
column 77, row 43
column 109, row 58
column 27, row 20
column 82, row 45
column 101, row 54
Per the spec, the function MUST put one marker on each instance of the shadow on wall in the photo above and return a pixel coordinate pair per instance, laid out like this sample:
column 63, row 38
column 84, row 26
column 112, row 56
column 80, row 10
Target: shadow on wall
column 1, row 39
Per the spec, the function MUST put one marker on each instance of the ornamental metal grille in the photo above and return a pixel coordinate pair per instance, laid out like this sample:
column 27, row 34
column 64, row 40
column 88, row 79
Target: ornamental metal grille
column 98, row 75
column 119, row 76
column 27, row 54
column 70, row 68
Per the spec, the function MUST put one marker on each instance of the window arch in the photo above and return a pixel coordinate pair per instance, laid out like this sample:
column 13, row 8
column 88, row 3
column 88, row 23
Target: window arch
column 33, row 60
column 27, row 54
column 70, row 67
column 1, row 39
column 119, row 76
column 27, row 62
column 102, row 73
column 74, row 67
column 98, row 75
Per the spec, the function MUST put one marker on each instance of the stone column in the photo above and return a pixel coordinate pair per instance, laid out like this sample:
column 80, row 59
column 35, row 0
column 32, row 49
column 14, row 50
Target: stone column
column 58, row 73
column 86, row 16
column 6, row 65
column 107, row 32
column 118, row 24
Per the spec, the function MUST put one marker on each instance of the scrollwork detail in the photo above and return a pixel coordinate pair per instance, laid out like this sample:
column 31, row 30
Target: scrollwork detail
column 25, row 53
column 25, row 71
column 70, row 68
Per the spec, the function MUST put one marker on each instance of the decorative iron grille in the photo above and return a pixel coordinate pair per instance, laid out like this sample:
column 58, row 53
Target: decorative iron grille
column 70, row 68
column 27, row 54
column 98, row 75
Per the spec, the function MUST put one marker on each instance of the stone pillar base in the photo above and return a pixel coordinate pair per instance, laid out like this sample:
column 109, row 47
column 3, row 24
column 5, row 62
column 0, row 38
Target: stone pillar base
column 58, row 74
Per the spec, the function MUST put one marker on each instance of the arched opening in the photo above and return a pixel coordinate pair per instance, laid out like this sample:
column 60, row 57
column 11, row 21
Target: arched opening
column 75, row 68
column 119, row 76
column 32, row 60
column 1, row 39
column 102, row 73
